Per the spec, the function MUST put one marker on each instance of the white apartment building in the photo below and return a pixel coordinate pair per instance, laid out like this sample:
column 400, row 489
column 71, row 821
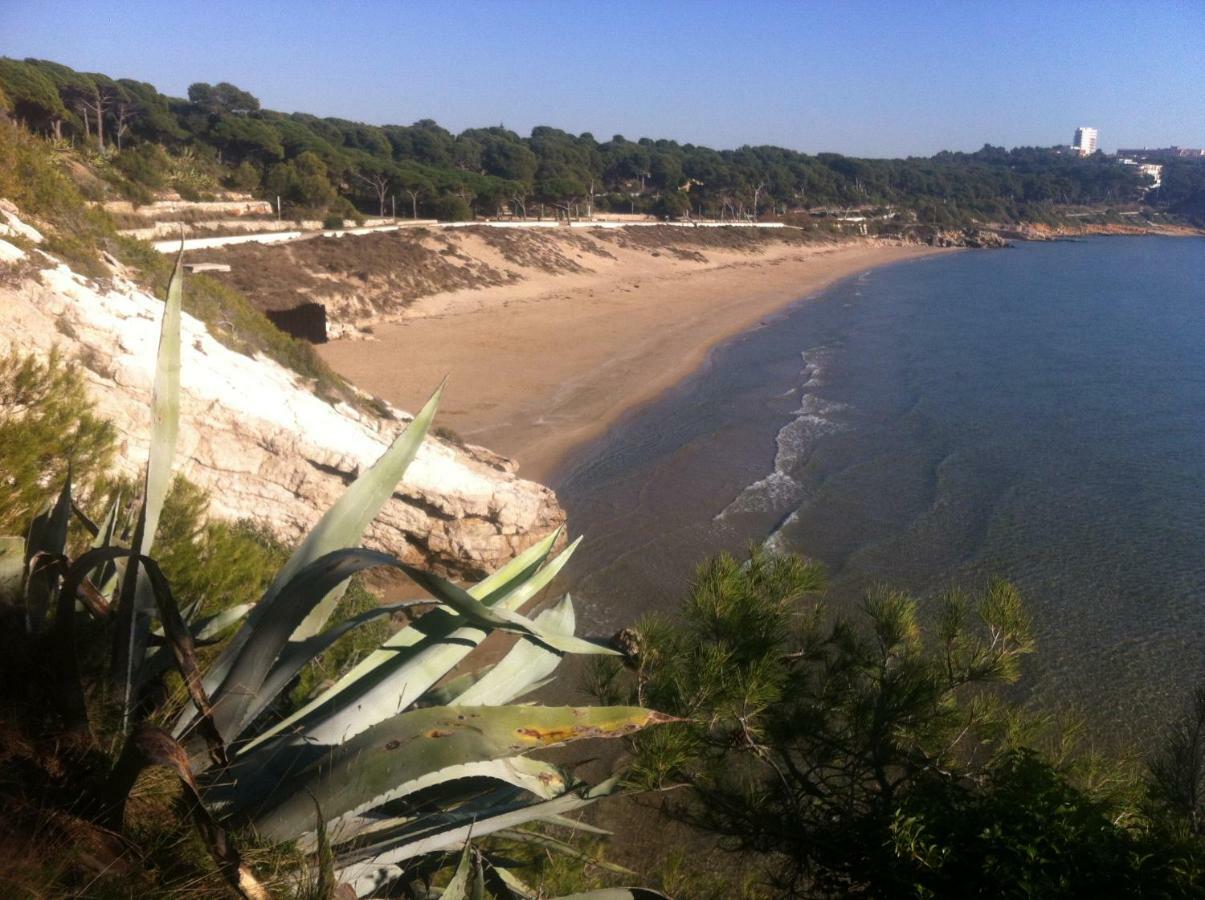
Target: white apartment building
column 1085, row 141
column 1156, row 173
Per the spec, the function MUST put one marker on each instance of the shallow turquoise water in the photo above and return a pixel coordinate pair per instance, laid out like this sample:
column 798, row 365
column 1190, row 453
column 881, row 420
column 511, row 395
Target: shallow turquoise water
column 1036, row 413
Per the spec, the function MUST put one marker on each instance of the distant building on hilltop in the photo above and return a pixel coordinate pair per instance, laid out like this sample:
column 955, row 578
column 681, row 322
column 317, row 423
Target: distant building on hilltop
column 1085, row 141
column 1172, row 152
column 1154, row 170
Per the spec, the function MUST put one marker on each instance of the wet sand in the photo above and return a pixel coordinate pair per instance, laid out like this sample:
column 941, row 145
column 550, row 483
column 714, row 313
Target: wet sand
column 540, row 367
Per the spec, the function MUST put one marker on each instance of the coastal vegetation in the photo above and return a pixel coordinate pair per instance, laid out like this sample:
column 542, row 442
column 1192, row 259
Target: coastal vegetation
column 49, row 182
column 219, row 137
column 828, row 755
column 875, row 755
column 363, row 779
column 190, row 707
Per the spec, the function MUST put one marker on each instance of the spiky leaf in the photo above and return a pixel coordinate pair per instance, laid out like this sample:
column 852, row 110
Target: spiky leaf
column 409, row 663
column 137, row 598
column 362, row 773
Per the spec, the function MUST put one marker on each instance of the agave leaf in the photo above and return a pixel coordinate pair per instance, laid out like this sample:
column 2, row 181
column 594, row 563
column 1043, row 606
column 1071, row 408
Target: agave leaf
column 65, row 673
column 519, row 570
column 498, row 616
column 237, row 695
column 390, row 679
column 296, row 655
column 209, row 627
column 342, row 526
column 466, row 882
column 524, row 665
column 574, row 825
column 533, row 776
column 137, row 598
column 364, row 873
column 84, row 519
column 150, row 746
column 178, row 637
column 204, row 631
column 47, row 540
column 514, row 884
column 362, row 773
column 104, row 576
column 446, row 693
column 522, row 568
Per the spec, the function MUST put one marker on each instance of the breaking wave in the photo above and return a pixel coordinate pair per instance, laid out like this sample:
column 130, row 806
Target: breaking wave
column 794, row 442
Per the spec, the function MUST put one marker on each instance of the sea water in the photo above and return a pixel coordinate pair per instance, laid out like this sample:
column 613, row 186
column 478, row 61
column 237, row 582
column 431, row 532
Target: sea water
column 1035, row 414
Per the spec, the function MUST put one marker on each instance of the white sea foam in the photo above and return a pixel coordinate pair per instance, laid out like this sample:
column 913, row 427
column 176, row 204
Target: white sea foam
column 775, row 543
column 793, row 442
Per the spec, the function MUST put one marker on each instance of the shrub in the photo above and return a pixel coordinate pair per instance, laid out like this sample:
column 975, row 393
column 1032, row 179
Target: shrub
column 450, row 208
column 340, row 210
column 302, row 184
column 147, row 165
column 867, row 756
column 46, row 426
column 32, row 176
column 244, row 177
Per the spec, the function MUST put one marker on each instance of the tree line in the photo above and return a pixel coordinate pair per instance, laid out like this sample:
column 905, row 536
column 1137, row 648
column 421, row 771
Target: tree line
column 316, row 164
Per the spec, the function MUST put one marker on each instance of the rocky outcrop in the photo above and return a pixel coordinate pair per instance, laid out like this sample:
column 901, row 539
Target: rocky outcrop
column 974, row 238
column 254, row 436
column 171, row 205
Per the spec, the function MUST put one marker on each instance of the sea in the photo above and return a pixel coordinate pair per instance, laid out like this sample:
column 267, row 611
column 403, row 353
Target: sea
column 1035, row 414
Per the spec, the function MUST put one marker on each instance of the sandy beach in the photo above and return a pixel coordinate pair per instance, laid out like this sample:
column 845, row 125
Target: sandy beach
column 539, row 367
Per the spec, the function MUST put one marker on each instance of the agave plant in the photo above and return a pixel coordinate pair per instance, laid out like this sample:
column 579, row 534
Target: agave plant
column 475, row 872
column 400, row 758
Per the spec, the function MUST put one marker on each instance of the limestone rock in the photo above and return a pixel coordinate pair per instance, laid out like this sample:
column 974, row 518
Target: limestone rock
column 975, row 238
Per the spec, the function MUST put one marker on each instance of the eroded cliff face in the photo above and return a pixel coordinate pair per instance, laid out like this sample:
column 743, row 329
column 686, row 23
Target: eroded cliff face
column 253, row 435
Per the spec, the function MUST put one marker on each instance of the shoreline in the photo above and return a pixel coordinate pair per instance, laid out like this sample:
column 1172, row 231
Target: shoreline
column 540, row 368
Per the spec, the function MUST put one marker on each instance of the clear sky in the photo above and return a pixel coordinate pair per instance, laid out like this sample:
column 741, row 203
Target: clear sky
column 864, row 78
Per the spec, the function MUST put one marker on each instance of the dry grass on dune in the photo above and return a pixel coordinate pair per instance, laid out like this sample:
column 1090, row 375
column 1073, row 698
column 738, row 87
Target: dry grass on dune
column 388, row 271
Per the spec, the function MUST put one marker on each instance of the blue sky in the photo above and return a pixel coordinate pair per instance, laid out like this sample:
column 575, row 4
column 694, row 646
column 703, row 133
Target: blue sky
column 870, row 79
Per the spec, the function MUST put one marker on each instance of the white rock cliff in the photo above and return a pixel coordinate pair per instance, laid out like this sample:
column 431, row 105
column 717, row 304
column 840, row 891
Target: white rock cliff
column 253, row 435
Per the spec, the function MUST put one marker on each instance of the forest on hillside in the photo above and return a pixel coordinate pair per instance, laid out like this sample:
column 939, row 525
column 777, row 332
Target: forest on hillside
column 220, row 137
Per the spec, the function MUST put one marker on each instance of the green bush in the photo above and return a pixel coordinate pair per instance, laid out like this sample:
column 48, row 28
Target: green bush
column 868, row 755
column 147, row 165
column 244, row 177
column 216, row 563
column 302, row 184
column 32, row 176
column 47, row 424
column 450, row 208
column 1023, row 823
column 340, row 211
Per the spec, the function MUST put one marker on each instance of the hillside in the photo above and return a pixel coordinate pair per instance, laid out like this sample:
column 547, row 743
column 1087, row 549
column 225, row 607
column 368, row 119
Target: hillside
column 254, row 435
column 219, row 137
